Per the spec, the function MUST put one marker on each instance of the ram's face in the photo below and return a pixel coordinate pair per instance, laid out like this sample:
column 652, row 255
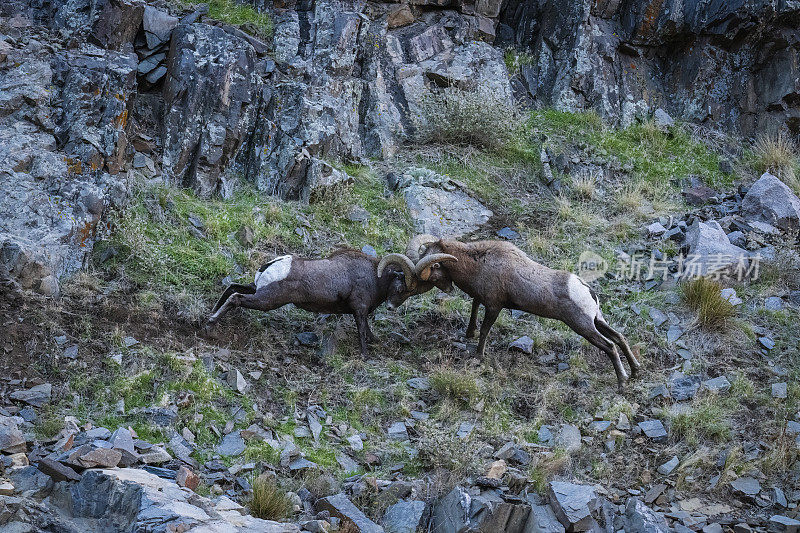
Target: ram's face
column 398, row 292
column 439, row 278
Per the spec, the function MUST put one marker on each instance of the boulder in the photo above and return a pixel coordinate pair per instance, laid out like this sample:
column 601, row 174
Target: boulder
column 711, row 252
column 11, row 438
column 31, row 481
column 210, row 93
column 118, row 24
column 662, row 119
column 157, row 26
column 746, row 486
column 484, row 513
column 404, row 517
column 683, row 387
column 573, row 504
column 57, row 471
column 341, row 507
column 639, row 517
column 541, row 519
column 127, row 499
column 568, row 438
column 523, row 344
column 36, row 396
column 439, row 207
column 399, row 16
column 780, row 523
column 232, row 444
column 771, row 201
column 654, row 429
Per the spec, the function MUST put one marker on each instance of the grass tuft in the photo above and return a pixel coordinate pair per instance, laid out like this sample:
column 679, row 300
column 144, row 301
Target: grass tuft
column 454, row 384
column 252, row 21
column 707, row 419
column 776, row 153
column 269, row 502
column 703, row 295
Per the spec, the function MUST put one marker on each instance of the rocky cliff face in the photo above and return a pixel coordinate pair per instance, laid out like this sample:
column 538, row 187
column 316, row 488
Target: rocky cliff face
column 733, row 64
column 95, row 91
column 99, row 91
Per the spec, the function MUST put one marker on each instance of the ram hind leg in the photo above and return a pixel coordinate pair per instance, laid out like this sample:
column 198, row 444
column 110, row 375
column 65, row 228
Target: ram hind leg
column 260, row 300
column 364, row 333
column 588, row 331
column 489, row 318
column 233, row 288
column 620, row 339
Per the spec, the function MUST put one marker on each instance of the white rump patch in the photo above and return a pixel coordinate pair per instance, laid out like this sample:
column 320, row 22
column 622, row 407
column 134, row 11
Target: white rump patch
column 580, row 294
column 277, row 270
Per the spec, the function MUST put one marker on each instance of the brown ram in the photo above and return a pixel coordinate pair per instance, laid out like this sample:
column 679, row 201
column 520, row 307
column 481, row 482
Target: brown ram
column 500, row 276
column 346, row 282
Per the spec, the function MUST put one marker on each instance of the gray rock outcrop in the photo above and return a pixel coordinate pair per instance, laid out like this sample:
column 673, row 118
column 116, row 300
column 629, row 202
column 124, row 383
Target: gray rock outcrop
column 711, row 251
column 771, row 201
column 439, row 206
column 733, row 64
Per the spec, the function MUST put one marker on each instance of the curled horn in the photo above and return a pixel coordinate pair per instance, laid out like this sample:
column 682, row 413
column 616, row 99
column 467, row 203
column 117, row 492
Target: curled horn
column 403, row 262
column 417, row 242
column 422, row 268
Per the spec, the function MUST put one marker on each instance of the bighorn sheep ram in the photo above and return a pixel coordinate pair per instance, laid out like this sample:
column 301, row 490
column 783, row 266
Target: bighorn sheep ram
column 346, row 282
column 500, row 276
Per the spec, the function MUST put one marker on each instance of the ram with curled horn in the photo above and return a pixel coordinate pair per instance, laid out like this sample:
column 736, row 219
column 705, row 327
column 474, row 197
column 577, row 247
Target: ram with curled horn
column 346, row 282
column 419, row 277
column 498, row 275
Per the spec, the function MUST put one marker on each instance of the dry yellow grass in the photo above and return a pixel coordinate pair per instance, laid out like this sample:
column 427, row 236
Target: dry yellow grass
column 777, row 153
column 703, row 295
column 269, row 501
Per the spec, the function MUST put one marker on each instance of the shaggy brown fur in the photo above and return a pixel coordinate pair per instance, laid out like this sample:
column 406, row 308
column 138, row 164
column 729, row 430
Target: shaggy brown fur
column 500, row 276
column 346, row 282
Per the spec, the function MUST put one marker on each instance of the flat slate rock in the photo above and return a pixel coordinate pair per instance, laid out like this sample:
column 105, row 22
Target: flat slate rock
column 57, row 471
column 654, row 429
column 746, row 486
column 404, row 517
column 341, row 507
column 523, row 344
column 36, row 396
column 718, row 384
column 232, row 444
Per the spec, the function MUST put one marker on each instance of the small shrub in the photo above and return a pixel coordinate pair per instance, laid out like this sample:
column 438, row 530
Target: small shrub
column 776, row 153
column 454, row 384
column 515, row 60
column 459, row 117
column 545, row 466
column 703, row 295
column 269, row 502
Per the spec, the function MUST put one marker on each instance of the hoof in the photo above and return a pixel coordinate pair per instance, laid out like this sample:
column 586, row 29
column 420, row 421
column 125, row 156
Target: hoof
column 635, row 372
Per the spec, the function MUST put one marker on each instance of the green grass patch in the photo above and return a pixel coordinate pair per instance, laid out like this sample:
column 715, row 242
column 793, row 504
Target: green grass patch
column 706, row 419
column 261, row 451
column 252, row 21
column 156, row 243
column 455, row 384
column 656, row 156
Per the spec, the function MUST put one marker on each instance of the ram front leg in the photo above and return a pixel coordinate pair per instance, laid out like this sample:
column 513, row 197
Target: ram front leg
column 363, row 328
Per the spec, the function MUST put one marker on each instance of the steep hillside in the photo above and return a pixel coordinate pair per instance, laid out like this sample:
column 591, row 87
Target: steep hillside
column 153, row 153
